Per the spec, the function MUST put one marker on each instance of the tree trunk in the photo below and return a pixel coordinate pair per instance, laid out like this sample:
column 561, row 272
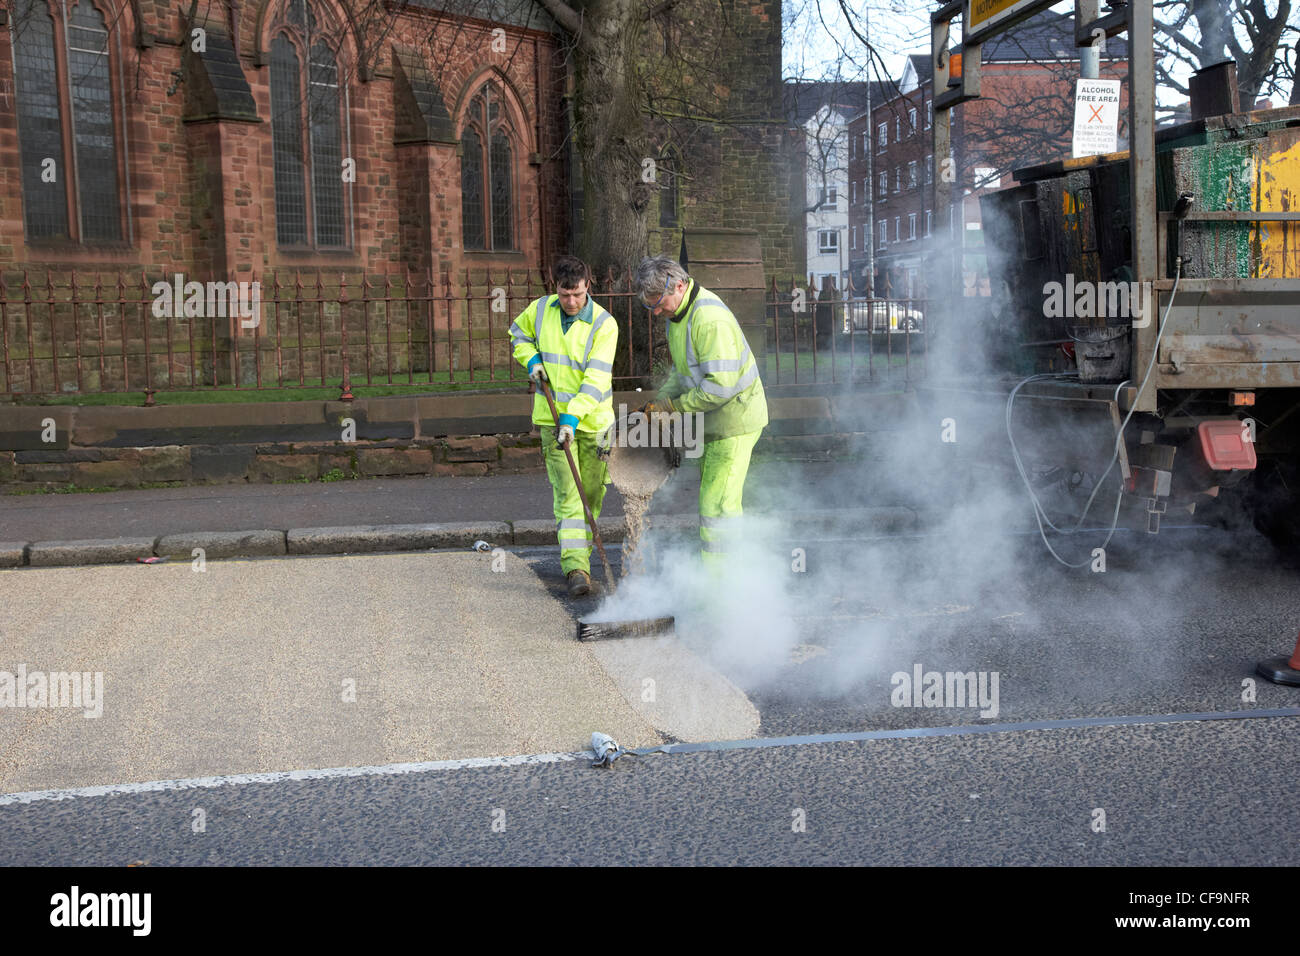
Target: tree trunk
column 612, row 143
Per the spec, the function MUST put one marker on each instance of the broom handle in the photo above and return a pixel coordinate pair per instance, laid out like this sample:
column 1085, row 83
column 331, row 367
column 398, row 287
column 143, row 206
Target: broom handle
column 582, row 495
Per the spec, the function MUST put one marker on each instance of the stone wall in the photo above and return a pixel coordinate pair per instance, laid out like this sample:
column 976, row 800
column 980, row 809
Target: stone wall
column 453, row 435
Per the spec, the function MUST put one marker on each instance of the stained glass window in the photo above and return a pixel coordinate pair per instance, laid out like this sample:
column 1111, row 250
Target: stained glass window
column 471, row 189
column 286, row 138
column 487, row 181
column 70, row 188
column 310, row 200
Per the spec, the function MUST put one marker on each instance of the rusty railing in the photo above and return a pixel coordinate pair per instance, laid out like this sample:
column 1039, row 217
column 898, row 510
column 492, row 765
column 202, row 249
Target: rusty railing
column 85, row 333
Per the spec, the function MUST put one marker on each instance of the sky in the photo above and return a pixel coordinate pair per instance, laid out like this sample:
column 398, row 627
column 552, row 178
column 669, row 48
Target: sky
column 818, row 37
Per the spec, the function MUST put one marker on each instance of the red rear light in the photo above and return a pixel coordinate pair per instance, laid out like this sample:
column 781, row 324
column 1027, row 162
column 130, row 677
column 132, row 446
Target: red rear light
column 1226, row 445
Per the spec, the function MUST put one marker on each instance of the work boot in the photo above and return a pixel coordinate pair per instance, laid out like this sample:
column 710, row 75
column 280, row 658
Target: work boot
column 579, row 582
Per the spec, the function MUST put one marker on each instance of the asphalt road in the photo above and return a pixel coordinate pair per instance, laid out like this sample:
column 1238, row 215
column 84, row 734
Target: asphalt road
column 1172, row 795
column 1173, row 625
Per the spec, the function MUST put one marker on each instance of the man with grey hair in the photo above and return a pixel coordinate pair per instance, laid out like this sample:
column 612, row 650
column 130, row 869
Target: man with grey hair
column 715, row 374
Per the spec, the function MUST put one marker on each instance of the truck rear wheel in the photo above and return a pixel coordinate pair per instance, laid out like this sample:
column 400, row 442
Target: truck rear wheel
column 1274, row 502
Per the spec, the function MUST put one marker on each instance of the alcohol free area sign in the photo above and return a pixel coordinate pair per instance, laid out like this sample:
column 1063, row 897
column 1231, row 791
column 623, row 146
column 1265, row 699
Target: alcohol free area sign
column 1096, row 117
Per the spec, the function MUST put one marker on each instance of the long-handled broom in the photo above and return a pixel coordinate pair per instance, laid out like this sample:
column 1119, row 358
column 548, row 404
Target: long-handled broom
column 582, row 494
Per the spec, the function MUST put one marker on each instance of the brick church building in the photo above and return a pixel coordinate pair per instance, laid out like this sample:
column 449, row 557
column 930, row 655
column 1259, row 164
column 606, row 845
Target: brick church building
column 236, row 140
column 244, row 136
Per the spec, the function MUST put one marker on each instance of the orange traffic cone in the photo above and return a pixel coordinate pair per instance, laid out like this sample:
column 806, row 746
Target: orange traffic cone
column 1281, row 670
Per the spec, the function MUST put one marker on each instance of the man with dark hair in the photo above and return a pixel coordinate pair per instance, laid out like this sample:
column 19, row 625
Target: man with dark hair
column 714, row 374
column 569, row 341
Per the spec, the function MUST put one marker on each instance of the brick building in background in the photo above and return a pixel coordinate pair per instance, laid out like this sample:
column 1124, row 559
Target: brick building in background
column 1025, row 115
column 276, row 141
column 283, row 140
column 290, row 137
column 820, row 111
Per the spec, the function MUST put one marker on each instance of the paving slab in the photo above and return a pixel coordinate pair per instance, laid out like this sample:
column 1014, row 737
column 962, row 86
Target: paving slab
column 288, row 663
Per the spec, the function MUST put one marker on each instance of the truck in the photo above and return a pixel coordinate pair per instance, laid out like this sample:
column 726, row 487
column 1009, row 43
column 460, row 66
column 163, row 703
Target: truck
column 1203, row 362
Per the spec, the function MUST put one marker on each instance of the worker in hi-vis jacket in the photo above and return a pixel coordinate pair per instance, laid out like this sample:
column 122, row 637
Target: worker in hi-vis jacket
column 714, row 373
column 568, row 340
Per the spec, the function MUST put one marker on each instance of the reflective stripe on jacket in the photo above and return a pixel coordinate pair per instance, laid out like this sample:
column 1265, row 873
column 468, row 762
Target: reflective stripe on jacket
column 714, row 370
column 579, row 363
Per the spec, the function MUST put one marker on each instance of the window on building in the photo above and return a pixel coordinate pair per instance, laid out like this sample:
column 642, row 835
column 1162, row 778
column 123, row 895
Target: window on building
column 306, row 134
column 898, row 128
column 65, row 65
column 911, row 226
column 487, row 173
column 884, row 183
column 898, row 179
column 929, row 168
column 884, row 232
column 928, row 215
column 911, row 120
column 864, row 149
column 853, row 148
column 985, row 176
column 882, row 137
column 929, row 113
column 911, row 175
column 828, row 240
column 666, row 178
column 898, row 229
column 853, row 193
column 853, row 238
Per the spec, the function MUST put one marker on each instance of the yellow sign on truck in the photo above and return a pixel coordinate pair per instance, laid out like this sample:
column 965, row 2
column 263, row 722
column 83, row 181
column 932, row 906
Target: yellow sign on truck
column 981, row 14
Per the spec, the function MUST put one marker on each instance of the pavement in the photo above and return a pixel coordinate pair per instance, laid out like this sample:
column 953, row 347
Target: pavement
column 263, row 665
column 397, row 514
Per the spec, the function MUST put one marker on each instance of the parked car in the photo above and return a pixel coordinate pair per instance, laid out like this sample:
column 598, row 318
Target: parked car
column 880, row 315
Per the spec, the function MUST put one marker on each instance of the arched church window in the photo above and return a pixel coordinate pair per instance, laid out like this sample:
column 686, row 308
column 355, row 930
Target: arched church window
column 67, row 131
column 487, row 173
column 307, row 126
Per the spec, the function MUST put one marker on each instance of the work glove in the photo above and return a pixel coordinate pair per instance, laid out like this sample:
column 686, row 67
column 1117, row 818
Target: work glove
column 537, row 374
column 564, row 435
column 660, row 406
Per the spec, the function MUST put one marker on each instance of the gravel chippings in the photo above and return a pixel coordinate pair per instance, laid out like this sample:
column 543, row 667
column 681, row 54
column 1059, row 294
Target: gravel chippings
column 637, row 473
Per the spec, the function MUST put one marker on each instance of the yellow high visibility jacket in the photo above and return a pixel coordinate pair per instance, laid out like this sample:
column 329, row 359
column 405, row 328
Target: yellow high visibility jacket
column 579, row 363
column 714, row 371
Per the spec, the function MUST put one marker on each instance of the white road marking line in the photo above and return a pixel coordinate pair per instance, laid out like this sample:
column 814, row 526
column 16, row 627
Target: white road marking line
column 396, row 769
column 280, row 776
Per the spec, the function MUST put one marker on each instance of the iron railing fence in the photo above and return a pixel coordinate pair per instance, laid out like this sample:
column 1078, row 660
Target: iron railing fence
column 120, row 333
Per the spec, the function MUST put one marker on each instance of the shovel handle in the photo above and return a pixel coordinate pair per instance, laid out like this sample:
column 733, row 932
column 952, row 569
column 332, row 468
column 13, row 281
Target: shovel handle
column 582, row 494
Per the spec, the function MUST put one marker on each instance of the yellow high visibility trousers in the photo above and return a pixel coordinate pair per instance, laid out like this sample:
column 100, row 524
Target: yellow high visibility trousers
column 722, row 486
column 571, row 525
